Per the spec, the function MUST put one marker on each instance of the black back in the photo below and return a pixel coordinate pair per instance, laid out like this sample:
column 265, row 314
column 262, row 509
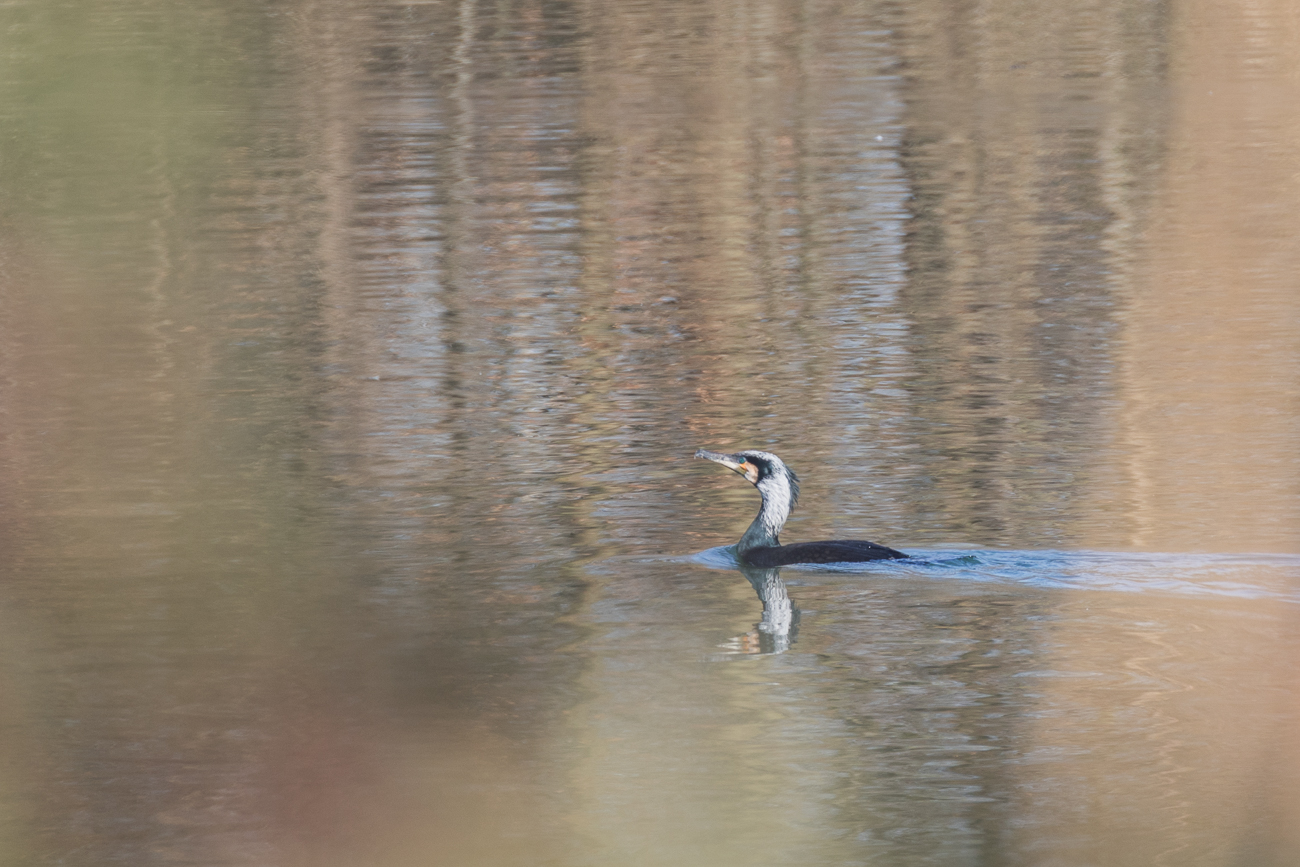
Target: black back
column 845, row 551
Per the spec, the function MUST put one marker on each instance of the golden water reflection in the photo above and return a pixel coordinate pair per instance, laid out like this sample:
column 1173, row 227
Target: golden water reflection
column 1210, row 337
column 352, row 357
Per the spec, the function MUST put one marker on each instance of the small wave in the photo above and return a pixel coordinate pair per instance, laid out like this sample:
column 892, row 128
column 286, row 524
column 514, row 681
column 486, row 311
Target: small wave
column 1241, row 576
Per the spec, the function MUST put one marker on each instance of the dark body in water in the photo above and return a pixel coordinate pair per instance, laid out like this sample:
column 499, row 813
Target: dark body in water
column 779, row 487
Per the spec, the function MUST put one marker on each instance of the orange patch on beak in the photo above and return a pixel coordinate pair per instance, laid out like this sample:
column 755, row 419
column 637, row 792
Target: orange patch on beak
column 749, row 471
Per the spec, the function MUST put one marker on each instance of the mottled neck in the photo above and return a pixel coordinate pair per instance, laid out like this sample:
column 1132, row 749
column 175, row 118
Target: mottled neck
column 778, row 499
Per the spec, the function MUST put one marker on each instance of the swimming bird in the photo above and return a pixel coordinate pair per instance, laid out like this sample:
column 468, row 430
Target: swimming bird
column 779, row 488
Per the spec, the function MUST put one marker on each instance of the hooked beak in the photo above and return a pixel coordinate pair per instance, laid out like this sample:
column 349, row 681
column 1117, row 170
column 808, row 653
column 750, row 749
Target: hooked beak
column 731, row 462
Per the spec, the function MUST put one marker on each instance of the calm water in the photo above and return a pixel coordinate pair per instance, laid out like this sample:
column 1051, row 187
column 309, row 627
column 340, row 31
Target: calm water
column 352, row 359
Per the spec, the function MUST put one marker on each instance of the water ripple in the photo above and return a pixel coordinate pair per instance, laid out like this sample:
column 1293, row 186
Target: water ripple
column 1241, row 576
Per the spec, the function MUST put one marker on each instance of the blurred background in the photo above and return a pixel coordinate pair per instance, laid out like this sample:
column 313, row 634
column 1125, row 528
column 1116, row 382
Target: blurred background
column 352, row 358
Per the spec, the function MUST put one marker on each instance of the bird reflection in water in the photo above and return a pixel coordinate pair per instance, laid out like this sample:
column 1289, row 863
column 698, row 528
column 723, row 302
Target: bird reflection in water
column 780, row 624
column 759, row 552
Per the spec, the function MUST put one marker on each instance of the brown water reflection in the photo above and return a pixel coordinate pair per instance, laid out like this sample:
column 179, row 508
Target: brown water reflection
column 1211, row 341
column 351, row 360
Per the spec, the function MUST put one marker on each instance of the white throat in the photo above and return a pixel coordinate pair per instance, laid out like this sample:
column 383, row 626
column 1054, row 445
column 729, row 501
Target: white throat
column 778, row 500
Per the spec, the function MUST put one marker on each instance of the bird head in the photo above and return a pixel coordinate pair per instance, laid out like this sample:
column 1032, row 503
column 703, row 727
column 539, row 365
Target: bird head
column 763, row 470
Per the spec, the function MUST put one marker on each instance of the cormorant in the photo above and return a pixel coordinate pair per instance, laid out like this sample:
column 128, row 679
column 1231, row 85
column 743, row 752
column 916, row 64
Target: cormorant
column 779, row 487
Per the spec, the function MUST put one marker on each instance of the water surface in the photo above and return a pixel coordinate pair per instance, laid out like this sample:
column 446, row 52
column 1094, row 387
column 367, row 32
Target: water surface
column 352, row 358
